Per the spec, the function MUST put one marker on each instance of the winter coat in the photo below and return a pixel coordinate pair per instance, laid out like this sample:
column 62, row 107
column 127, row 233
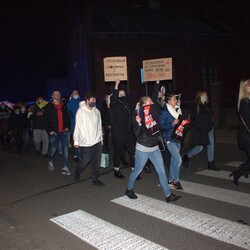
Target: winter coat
column 243, row 133
column 121, row 112
column 4, row 118
column 37, row 116
column 202, row 122
column 88, row 126
column 51, row 119
column 166, row 120
column 73, row 105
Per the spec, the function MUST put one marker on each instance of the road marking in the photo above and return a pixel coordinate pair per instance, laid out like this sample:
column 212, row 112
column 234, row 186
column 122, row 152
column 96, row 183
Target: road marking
column 234, row 163
column 222, row 175
column 215, row 193
column 208, row 225
column 102, row 234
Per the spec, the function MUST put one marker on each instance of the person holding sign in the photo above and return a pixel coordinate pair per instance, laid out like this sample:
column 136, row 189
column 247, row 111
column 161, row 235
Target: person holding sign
column 147, row 129
column 169, row 118
column 122, row 133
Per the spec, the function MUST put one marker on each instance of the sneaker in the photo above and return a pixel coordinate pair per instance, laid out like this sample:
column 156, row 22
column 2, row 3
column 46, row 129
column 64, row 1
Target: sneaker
column 51, row 166
column 172, row 197
column 65, row 170
column 177, row 186
column 131, row 194
column 170, row 183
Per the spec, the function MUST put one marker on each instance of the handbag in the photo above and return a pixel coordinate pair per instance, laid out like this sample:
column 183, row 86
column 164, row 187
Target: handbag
column 104, row 160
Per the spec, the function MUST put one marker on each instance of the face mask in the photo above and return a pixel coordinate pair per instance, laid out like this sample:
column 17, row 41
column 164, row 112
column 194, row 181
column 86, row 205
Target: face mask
column 23, row 110
column 203, row 99
column 76, row 97
column 17, row 112
column 122, row 98
column 57, row 101
column 92, row 104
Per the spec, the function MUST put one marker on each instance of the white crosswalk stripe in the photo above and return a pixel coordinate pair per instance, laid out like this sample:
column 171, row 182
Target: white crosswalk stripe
column 221, row 174
column 217, row 228
column 230, row 196
column 101, row 234
column 234, row 163
column 104, row 235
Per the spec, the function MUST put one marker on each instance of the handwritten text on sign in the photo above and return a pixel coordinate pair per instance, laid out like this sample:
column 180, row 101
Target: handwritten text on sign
column 115, row 68
column 157, row 69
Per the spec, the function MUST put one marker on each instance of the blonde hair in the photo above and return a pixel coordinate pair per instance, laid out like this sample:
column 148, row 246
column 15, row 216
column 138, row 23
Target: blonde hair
column 242, row 91
column 141, row 101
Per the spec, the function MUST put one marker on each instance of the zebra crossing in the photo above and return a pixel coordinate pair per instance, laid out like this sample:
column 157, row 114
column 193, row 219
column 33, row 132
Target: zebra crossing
column 104, row 235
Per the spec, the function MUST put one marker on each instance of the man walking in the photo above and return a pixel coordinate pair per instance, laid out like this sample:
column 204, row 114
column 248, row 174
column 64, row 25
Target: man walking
column 57, row 124
column 88, row 137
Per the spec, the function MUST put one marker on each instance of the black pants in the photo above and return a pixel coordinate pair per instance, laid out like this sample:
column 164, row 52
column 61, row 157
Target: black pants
column 106, row 138
column 90, row 155
column 123, row 137
column 245, row 167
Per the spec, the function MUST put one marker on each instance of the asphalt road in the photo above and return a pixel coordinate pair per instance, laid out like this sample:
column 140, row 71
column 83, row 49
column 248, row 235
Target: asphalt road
column 31, row 196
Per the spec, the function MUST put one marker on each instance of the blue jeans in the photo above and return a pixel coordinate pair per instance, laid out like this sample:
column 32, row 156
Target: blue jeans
column 210, row 148
column 175, row 161
column 54, row 140
column 156, row 159
column 26, row 138
column 76, row 150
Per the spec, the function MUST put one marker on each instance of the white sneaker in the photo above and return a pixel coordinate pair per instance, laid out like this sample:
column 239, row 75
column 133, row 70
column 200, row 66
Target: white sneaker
column 65, row 170
column 51, row 166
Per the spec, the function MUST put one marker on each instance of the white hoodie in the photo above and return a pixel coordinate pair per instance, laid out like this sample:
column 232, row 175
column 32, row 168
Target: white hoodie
column 88, row 126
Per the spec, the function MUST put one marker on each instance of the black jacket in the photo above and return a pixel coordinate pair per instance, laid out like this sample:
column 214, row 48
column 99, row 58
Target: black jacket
column 202, row 122
column 243, row 133
column 121, row 112
column 37, row 117
column 142, row 137
column 51, row 120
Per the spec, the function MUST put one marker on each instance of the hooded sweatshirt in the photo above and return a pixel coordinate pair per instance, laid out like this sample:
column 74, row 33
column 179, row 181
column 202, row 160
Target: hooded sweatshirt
column 88, row 126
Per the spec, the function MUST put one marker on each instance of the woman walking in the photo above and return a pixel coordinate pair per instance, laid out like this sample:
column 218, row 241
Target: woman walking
column 169, row 118
column 243, row 129
column 202, row 131
column 147, row 128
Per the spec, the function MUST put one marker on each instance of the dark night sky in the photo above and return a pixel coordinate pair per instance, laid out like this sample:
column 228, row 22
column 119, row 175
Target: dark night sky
column 34, row 37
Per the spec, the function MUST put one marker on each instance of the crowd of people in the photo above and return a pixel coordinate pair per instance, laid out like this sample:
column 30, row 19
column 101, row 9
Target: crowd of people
column 135, row 131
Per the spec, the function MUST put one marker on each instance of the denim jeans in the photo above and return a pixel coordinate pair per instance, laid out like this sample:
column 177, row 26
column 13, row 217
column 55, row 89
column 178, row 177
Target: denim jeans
column 175, row 161
column 156, row 159
column 54, row 140
column 76, row 150
column 210, row 148
column 25, row 138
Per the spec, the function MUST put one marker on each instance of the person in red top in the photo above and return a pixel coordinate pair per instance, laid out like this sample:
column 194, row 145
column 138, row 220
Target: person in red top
column 57, row 125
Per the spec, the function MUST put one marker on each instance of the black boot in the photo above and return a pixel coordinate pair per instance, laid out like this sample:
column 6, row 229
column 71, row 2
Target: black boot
column 236, row 174
column 185, row 160
column 118, row 174
column 211, row 166
column 244, row 169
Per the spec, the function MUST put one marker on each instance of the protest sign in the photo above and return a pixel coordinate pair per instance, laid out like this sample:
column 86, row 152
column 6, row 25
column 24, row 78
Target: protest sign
column 157, row 69
column 115, row 68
